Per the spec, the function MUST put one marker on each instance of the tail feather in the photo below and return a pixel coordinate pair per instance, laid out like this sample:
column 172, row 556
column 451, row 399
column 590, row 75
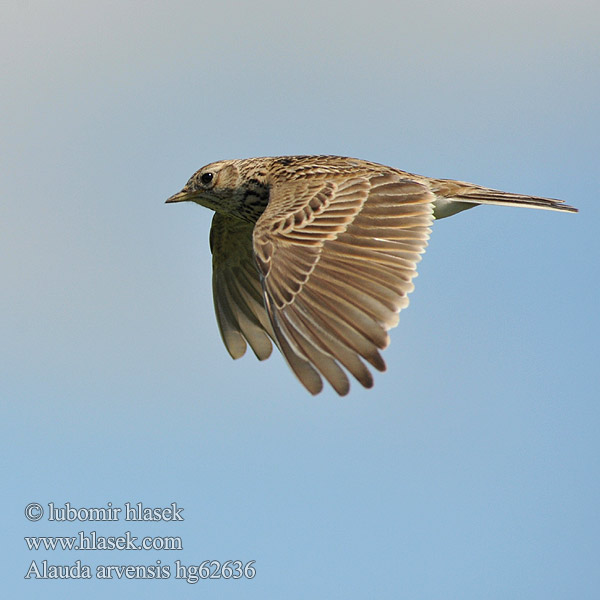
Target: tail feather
column 463, row 195
column 489, row 196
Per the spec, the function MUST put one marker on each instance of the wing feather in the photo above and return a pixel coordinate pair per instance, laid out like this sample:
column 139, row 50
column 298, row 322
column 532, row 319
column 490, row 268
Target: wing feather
column 337, row 261
column 237, row 290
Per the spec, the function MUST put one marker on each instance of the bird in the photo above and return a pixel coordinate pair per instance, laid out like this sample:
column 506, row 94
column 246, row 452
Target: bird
column 317, row 255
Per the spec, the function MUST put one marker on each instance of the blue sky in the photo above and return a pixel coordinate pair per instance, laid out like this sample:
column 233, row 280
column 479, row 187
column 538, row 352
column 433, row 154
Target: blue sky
column 471, row 469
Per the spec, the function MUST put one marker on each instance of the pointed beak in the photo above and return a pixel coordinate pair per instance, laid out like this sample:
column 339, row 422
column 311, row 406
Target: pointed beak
column 181, row 196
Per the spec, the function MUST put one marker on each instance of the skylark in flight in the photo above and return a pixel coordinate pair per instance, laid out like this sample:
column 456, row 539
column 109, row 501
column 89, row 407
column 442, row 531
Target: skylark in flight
column 317, row 254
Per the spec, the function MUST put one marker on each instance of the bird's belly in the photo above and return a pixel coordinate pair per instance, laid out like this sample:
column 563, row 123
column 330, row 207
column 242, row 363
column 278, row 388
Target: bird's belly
column 445, row 207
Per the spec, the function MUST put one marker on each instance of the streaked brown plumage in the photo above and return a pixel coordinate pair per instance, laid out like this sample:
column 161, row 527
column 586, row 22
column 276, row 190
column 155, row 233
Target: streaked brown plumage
column 318, row 253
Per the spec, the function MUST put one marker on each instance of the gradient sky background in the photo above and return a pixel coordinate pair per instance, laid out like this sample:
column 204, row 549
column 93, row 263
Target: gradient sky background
column 471, row 469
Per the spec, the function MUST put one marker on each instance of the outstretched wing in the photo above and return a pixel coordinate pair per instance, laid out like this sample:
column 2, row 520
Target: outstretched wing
column 237, row 290
column 337, row 257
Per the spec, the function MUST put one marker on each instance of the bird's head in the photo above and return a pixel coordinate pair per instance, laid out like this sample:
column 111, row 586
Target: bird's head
column 225, row 187
column 213, row 186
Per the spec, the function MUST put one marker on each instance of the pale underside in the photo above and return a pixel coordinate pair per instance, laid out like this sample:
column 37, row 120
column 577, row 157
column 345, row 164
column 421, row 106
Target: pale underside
column 323, row 273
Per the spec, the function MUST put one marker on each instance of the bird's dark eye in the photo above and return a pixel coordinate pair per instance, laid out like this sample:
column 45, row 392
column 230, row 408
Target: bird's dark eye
column 206, row 178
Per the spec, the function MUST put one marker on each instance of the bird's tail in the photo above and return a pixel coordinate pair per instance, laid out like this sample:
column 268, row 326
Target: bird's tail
column 489, row 196
column 457, row 191
column 456, row 196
